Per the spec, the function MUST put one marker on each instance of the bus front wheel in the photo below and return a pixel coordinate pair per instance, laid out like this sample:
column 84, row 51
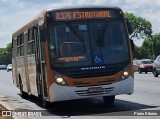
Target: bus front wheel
column 45, row 104
column 109, row 99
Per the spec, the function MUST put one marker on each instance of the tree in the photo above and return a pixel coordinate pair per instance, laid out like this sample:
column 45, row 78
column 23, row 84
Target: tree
column 142, row 28
column 6, row 54
column 155, row 43
column 150, row 48
column 146, row 49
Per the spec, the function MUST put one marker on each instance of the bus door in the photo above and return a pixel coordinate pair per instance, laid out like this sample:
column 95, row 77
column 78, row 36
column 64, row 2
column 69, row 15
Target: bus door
column 40, row 62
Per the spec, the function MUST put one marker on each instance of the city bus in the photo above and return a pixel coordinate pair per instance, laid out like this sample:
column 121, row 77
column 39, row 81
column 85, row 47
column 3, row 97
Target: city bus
column 70, row 53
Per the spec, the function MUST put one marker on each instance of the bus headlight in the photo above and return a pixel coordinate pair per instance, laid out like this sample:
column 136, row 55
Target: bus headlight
column 125, row 75
column 60, row 81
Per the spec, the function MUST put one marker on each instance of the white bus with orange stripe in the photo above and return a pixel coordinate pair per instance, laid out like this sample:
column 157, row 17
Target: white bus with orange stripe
column 74, row 53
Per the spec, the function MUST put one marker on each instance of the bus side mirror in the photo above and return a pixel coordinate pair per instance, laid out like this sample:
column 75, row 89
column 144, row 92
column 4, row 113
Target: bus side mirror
column 129, row 26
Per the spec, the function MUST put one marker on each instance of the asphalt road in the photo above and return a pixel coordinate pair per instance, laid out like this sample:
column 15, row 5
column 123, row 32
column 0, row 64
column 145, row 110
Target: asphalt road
column 146, row 97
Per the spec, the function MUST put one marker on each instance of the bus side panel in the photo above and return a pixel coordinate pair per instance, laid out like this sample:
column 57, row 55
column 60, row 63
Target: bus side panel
column 21, row 72
column 32, row 74
column 13, row 72
column 14, row 63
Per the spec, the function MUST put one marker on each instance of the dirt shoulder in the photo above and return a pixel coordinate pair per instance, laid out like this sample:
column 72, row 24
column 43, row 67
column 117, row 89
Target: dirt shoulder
column 1, row 109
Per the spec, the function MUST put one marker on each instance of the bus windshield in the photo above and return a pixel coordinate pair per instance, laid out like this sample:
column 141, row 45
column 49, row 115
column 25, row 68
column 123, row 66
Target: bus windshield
column 91, row 43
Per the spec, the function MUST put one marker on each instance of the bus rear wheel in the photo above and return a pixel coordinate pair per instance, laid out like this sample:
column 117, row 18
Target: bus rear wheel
column 22, row 93
column 109, row 99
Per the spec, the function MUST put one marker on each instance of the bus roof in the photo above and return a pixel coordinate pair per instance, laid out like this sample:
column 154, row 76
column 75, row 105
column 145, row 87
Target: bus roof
column 80, row 7
column 30, row 24
column 42, row 15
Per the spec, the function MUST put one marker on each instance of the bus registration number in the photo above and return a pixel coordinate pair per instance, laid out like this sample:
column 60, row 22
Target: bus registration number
column 94, row 89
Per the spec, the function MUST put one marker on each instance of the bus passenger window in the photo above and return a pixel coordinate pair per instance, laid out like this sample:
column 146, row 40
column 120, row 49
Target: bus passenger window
column 20, row 45
column 31, row 40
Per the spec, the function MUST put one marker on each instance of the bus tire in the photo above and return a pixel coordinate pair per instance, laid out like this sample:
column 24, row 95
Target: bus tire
column 45, row 104
column 109, row 99
column 22, row 93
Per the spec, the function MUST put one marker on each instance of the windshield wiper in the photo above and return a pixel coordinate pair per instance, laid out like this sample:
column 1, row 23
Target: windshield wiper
column 76, row 33
column 100, row 40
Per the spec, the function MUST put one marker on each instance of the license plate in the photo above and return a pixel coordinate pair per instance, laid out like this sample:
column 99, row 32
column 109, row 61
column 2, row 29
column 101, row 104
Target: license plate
column 94, row 89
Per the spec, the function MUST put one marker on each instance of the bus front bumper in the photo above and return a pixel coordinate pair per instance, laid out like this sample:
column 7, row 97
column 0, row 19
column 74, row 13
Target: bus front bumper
column 61, row 93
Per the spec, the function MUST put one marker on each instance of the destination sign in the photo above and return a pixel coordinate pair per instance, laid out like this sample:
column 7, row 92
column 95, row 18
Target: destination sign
column 84, row 14
column 75, row 15
column 72, row 59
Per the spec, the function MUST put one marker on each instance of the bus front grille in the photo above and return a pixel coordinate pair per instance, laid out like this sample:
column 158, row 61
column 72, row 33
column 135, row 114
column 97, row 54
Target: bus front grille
column 87, row 93
column 91, row 74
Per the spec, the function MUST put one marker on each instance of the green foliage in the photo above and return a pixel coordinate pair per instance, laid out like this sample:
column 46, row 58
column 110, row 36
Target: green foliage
column 150, row 48
column 156, row 44
column 6, row 54
column 142, row 28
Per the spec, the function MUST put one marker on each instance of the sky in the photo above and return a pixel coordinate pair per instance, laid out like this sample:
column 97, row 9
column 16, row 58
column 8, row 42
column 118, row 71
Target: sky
column 16, row 13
